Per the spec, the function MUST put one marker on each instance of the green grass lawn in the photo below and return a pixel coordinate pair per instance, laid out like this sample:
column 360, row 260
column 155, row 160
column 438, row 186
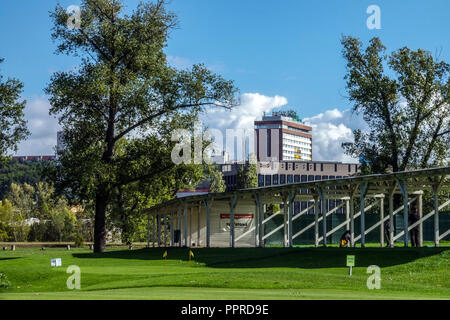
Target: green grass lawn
column 237, row 274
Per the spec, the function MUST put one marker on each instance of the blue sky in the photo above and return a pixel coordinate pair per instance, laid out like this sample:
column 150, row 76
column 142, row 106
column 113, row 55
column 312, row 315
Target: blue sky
column 286, row 48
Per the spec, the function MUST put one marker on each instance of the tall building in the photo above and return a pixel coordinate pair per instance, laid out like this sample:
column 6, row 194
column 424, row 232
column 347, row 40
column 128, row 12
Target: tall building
column 284, row 154
column 283, row 137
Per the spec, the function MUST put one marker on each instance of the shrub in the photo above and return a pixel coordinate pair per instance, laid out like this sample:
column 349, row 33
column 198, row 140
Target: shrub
column 4, row 283
column 37, row 232
column 79, row 240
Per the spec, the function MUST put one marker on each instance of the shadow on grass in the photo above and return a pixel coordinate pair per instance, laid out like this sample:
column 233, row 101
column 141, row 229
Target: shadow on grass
column 309, row 258
column 12, row 258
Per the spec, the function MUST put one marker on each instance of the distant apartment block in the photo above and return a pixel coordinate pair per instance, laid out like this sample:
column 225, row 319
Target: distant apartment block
column 287, row 172
column 282, row 137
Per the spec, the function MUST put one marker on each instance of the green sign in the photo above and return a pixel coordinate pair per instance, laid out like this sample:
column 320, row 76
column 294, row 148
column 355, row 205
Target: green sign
column 350, row 261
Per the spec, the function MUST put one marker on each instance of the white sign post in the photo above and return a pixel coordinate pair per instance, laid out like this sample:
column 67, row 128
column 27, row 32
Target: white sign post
column 350, row 264
column 56, row 262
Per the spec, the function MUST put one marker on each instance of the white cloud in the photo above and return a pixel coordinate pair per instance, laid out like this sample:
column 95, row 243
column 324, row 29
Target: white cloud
column 330, row 130
column 251, row 108
column 42, row 126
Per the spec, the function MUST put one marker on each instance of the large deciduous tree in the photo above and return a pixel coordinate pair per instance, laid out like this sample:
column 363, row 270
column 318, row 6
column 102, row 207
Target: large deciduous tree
column 247, row 174
column 124, row 90
column 405, row 99
column 12, row 124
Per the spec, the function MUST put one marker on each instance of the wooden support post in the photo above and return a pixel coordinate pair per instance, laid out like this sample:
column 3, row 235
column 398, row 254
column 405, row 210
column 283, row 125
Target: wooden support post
column 256, row 221
column 391, row 217
column 208, row 223
column 285, row 220
column 381, row 220
column 259, row 226
column 420, row 207
column 347, row 214
column 436, row 216
column 262, row 229
column 404, row 190
column 172, row 229
column 233, row 202
column 186, row 225
column 316, row 221
column 148, row 231
column 323, row 207
column 291, row 198
column 180, row 223
column 158, row 220
column 362, row 195
column 154, row 231
column 165, row 230
column 198, row 226
column 352, row 221
column 191, row 214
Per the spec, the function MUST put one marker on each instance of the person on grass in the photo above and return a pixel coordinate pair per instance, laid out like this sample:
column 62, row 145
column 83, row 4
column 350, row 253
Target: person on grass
column 414, row 233
column 346, row 239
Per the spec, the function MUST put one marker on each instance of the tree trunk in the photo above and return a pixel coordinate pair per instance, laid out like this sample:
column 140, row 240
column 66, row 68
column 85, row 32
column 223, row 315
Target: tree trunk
column 101, row 201
column 103, row 193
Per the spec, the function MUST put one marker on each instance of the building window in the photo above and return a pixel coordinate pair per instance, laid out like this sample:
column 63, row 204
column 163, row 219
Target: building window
column 260, row 180
column 335, row 167
column 275, row 179
column 318, row 178
column 349, row 168
column 324, row 177
column 310, row 178
column 315, row 167
column 282, row 179
column 289, row 178
column 304, row 178
column 332, row 177
column 268, row 180
column 296, row 178
column 321, row 167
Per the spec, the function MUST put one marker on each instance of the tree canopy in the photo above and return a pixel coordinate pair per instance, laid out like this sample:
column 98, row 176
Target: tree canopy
column 12, row 123
column 124, row 92
column 405, row 99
